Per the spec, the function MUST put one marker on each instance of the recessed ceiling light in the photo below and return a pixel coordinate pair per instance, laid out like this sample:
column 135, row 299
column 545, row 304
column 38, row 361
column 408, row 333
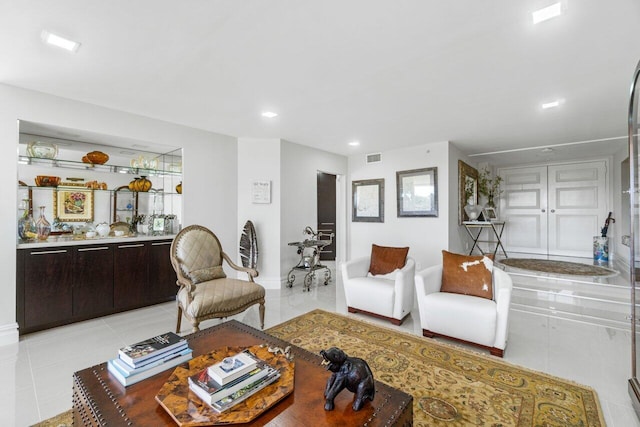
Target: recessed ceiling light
column 59, row 41
column 354, row 143
column 552, row 104
column 547, row 13
column 269, row 114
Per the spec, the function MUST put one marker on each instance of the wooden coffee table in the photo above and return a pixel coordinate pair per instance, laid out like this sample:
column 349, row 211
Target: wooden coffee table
column 99, row 399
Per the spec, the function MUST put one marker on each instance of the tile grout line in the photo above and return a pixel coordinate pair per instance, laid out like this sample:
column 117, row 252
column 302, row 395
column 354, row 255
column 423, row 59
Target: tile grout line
column 33, row 380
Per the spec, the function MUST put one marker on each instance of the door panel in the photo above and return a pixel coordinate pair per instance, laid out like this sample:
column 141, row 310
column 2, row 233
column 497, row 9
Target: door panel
column 48, row 285
column 554, row 210
column 570, row 235
column 131, row 287
column 524, row 209
column 326, row 197
column 93, row 281
column 524, row 232
column 576, row 198
column 577, row 207
column 522, row 199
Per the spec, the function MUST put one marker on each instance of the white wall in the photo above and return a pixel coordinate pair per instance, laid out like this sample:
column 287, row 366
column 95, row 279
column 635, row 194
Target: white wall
column 292, row 170
column 259, row 159
column 210, row 178
column 425, row 236
column 299, row 171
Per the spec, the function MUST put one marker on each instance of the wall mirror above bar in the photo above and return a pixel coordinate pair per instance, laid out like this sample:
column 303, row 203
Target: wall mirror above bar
column 130, row 181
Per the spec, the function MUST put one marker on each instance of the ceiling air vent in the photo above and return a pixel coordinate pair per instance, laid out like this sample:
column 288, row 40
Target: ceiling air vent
column 374, row 158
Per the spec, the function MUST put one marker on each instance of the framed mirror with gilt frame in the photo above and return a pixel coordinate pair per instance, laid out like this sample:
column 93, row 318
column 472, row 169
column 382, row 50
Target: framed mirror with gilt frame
column 467, row 188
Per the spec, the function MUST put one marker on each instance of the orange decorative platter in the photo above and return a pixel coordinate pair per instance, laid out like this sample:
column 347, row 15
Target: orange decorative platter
column 188, row 410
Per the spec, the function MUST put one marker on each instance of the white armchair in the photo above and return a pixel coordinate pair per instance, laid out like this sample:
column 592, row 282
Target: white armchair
column 388, row 296
column 470, row 319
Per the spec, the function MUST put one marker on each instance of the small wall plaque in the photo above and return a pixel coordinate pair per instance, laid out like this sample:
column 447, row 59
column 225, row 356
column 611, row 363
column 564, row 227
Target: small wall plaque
column 261, row 192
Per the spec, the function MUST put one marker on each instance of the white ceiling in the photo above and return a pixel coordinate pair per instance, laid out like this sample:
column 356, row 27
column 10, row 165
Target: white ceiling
column 386, row 73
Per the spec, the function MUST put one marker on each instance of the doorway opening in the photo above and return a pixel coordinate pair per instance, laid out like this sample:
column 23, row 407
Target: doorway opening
column 326, row 206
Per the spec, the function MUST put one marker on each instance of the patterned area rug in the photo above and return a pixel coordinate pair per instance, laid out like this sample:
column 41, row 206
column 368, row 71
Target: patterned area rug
column 450, row 386
column 557, row 267
column 64, row 419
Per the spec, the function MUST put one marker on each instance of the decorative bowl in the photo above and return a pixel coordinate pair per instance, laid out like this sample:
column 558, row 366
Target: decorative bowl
column 473, row 212
column 47, row 181
column 97, row 157
column 42, row 149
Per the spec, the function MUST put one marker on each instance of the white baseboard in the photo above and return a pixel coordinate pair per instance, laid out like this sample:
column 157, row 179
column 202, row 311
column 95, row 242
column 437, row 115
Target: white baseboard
column 9, row 334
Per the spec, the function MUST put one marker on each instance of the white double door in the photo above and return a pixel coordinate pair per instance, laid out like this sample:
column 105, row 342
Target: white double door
column 554, row 210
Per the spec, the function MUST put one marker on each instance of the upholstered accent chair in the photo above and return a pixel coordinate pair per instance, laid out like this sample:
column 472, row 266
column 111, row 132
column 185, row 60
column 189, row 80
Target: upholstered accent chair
column 481, row 321
column 387, row 296
column 205, row 291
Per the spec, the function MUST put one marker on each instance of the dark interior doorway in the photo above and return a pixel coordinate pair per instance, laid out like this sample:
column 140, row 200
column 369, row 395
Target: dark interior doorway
column 327, row 212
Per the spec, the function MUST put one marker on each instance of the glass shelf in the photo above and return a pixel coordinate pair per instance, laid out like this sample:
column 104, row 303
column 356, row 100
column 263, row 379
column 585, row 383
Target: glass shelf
column 79, row 187
column 70, row 164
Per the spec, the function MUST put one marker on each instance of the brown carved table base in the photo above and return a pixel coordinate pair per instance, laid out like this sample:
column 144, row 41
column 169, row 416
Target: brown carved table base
column 99, row 399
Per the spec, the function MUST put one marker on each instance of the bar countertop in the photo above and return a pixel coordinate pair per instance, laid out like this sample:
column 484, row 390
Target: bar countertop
column 56, row 241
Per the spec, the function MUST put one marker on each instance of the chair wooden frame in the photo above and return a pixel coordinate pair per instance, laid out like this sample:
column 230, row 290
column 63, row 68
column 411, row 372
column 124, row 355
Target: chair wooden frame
column 184, row 282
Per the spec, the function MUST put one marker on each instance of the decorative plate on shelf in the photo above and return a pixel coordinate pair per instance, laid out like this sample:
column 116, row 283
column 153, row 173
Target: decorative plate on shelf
column 188, row 410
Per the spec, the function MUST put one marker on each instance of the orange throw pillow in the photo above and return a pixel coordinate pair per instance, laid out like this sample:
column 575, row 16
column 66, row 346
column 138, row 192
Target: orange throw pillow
column 467, row 275
column 386, row 259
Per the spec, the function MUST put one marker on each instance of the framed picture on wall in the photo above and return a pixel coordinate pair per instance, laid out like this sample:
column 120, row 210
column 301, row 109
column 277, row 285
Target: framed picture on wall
column 368, row 200
column 73, row 204
column 261, row 191
column 417, row 192
column 467, row 189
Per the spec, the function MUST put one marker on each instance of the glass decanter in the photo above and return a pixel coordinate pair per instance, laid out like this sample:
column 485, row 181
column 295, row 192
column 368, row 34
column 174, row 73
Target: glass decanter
column 43, row 227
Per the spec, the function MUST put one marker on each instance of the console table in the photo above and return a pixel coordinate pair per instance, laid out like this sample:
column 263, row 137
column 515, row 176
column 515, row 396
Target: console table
column 493, row 227
column 99, row 399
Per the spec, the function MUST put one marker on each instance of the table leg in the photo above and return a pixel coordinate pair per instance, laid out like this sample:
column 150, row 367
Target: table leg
column 475, row 240
column 499, row 243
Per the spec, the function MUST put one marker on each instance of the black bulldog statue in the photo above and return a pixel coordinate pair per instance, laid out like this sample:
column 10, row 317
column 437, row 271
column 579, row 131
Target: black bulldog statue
column 351, row 373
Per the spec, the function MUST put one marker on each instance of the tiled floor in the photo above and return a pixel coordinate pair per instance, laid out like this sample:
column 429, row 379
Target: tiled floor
column 36, row 372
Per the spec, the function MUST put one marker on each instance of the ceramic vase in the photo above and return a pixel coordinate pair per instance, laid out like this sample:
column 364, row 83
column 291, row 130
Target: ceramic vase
column 141, row 184
column 43, row 227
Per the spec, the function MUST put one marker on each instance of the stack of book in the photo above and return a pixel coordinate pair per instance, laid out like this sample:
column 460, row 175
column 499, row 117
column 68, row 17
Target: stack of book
column 227, row 383
column 146, row 358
